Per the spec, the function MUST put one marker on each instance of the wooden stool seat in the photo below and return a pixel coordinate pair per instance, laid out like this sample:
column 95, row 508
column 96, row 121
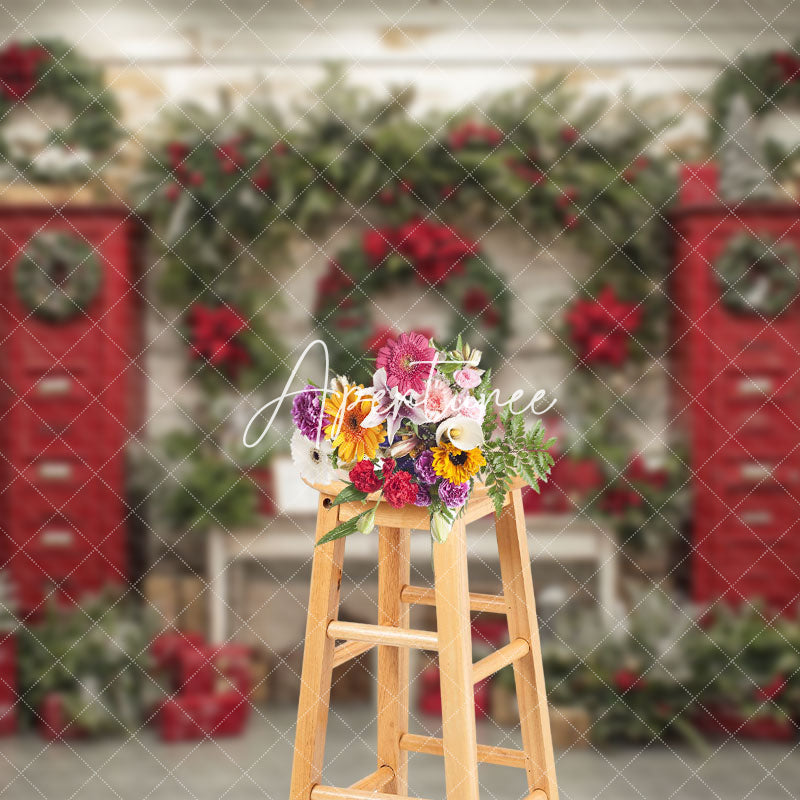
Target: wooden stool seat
column 452, row 641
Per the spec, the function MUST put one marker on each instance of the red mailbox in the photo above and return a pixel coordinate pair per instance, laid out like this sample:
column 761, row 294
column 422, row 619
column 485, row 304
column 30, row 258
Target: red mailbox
column 67, row 391
column 737, row 391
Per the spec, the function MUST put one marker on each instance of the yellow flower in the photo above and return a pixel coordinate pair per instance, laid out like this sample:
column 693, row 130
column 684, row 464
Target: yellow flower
column 346, row 410
column 457, row 466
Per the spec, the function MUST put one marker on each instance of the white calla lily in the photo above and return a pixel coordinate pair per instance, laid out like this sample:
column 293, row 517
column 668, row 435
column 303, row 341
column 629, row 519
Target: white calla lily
column 462, row 432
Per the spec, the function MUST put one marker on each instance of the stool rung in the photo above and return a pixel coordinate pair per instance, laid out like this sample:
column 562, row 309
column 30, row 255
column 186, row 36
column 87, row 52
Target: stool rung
column 349, row 650
column 375, row 781
column 334, row 793
column 420, row 595
column 383, row 634
column 489, row 754
column 501, row 657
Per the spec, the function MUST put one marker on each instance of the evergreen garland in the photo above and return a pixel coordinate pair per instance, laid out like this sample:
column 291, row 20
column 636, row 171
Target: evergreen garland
column 52, row 68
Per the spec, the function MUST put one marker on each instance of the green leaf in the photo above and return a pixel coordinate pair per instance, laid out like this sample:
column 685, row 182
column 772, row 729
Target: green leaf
column 348, row 495
column 344, row 529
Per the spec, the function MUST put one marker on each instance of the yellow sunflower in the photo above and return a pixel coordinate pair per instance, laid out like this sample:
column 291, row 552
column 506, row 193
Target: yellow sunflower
column 456, row 466
column 346, row 410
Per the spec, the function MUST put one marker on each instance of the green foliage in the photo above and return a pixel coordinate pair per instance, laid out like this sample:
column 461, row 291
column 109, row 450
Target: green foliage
column 516, row 452
column 95, row 657
column 207, row 487
column 660, row 678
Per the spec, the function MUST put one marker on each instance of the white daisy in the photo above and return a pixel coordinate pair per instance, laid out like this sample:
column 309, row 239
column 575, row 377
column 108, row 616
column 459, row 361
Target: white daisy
column 312, row 462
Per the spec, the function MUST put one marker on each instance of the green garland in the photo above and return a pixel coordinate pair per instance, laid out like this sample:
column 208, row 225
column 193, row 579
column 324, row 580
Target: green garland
column 469, row 288
column 58, row 276
column 766, row 80
column 38, row 70
column 758, row 277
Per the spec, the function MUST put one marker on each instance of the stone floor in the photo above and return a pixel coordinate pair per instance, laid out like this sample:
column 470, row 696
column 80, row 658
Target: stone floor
column 258, row 764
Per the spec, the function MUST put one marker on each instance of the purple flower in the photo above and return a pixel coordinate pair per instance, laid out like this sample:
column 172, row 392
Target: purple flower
column 307, row 410
column 454, row 495
column 423, row 466
column 423, row 496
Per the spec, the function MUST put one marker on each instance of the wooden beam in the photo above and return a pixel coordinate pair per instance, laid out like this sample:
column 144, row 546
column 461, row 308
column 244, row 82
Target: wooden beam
column 334, row 793
column 502, row 657
column 489, row 754
column 421, row 595
column 349, row 650
column 375, row 781
column 383, row 634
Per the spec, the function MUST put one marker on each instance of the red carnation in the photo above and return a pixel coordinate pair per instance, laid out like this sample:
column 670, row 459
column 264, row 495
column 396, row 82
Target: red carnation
column 364, row 478
column 399, row 490
column 18, row 66
column 388, row 467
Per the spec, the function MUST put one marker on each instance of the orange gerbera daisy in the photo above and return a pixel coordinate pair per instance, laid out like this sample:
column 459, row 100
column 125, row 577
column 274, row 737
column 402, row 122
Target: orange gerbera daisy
column 347, row 409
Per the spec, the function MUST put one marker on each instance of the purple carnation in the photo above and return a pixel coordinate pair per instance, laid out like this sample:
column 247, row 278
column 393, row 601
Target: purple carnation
column 423, row 496
column 454, row 495
column 423, row 466
column 307, row 410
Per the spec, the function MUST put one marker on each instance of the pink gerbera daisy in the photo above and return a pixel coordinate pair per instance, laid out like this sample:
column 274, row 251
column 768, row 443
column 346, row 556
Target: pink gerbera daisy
column 408, row 361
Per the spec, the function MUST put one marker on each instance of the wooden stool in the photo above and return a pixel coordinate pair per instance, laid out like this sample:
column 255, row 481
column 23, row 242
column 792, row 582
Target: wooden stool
column 452, row 640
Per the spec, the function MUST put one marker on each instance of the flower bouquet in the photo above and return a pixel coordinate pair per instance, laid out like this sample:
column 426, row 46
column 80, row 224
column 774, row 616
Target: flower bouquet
column 426, row 431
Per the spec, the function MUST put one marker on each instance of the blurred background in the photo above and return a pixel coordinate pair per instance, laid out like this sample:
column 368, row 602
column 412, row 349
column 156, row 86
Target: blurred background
column 193, row 192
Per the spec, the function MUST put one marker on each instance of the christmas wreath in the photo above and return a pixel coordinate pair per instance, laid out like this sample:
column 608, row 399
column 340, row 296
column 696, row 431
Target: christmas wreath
column 58, row 276
column 434, row 256
column 758, row 276
column 52, row 69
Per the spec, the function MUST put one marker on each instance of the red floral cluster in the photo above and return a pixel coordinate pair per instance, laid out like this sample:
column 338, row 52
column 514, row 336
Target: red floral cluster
column 600, row 328
column 18, row 68
column 177, row 154
column 473, row 133
column 618, row 499
column 332, row 285
column 477, row 302
column 789, row 66
column 399, row 488
column 382, row 335
column 437, row 252
column 229, row 155
column 214, row 336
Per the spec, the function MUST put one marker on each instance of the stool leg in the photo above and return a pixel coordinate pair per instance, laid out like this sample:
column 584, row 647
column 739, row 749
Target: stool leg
column 515, row 568
column 315, row 682
column 394, row 572
column 455, row 665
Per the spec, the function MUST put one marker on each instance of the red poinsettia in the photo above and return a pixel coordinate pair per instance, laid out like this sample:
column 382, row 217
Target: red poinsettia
column 18, row 67
column 600, row 329
column 437, row 252
column 773, row 690
column 618, row 499
column 214, row 334
column 473, row 133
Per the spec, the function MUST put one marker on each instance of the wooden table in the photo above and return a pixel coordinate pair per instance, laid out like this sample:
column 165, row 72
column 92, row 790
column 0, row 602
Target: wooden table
column 559, row 538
